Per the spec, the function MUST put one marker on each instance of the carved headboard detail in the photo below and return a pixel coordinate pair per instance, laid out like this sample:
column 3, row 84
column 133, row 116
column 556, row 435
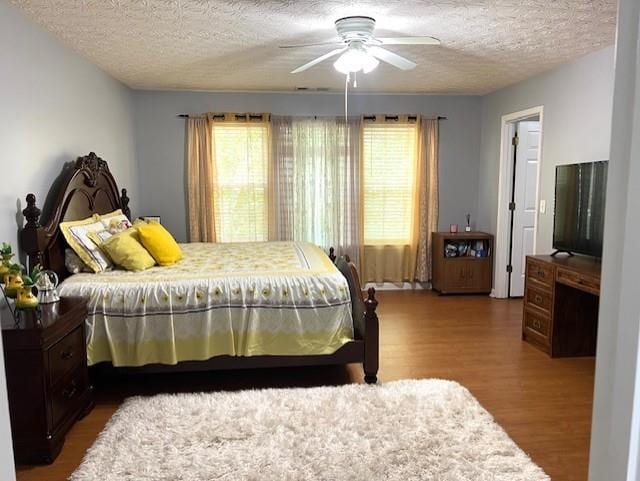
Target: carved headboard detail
column 82, row 189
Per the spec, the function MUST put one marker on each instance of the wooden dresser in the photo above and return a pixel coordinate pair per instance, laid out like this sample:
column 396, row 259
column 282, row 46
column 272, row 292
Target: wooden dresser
column 560, row 308
column 465, row 274
column 47, row 378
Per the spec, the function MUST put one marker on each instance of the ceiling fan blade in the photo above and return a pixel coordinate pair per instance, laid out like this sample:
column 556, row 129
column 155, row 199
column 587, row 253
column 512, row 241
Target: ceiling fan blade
column 316, row 61
column 302, row 45
column 409, row 40
column 391, row 58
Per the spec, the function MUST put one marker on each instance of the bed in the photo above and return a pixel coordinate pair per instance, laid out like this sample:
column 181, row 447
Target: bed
column 225, row 306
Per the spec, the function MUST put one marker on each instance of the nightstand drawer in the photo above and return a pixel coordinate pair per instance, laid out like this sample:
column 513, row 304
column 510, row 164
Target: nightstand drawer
column 65, row 398
column 537, row 323
column 66, row 355
column 578, row 280
column 538, row 298
column 539, row 272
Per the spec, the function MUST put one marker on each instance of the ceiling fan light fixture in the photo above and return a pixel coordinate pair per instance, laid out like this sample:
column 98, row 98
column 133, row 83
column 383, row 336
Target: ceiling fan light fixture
column 354, row 60
column 370, row 64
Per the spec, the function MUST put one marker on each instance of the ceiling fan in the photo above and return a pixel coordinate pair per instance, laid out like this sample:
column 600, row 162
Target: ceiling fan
column 359, row 50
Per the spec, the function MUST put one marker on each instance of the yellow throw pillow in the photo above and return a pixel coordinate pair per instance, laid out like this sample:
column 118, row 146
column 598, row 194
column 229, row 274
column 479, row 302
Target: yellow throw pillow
column 159, row 242
column 126, row 250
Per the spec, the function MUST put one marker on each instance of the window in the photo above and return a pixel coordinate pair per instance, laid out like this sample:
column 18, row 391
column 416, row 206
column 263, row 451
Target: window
column 241, row 172
column 389, row 155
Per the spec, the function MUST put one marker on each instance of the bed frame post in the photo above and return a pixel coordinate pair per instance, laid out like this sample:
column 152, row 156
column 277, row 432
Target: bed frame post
column 124, row 202
column 332, row 254
column 371, row 347
column 30, row 234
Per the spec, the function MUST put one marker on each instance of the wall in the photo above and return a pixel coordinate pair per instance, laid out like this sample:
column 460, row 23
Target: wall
column 615, row 438
column 56, row 106
column 160, row 137
column 7, row 472
column 577, row 99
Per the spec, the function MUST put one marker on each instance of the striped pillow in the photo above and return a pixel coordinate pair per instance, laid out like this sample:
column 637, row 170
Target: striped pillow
column 76, row 234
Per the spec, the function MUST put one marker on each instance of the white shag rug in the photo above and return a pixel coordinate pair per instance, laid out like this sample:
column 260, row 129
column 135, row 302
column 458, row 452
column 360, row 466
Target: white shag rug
column 402, row 430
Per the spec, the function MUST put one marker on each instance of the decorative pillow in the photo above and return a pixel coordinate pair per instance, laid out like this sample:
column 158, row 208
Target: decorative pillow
column 76, row 234
column 126, row 251
column 159, row 242
column 113, row 226
column 116, row 214
column 73, row 263
column 118, row 225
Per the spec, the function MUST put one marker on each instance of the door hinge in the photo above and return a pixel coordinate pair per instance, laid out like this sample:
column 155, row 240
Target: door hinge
column 512, row 206
column 515, row 140
column 509, row 269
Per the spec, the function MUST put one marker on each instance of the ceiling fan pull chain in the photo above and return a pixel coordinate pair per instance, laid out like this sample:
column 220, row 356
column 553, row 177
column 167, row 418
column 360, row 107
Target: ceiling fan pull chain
column 346, row 92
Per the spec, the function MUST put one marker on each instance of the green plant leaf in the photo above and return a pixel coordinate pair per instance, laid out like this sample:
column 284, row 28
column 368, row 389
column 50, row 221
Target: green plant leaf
column 16, row 268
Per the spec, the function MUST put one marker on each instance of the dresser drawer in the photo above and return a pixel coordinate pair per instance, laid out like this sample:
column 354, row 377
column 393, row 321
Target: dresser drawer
column 66, row 355
column 537, row 323
column 538, row 298
column 540, row 272
column 578, row 280
column 65, row 398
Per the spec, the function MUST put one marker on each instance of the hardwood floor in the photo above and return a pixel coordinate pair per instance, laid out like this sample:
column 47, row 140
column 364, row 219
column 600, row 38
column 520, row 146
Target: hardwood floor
column 544, row 404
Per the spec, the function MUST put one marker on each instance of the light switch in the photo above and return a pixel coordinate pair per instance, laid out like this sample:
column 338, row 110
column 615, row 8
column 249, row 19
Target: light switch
column 543, row 206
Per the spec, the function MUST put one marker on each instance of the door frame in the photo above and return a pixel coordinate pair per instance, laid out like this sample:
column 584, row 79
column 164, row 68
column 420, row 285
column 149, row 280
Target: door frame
column 505, row 179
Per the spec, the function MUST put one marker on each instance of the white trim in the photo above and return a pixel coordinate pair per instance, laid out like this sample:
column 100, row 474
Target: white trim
column 501, row 251
column 393, row 286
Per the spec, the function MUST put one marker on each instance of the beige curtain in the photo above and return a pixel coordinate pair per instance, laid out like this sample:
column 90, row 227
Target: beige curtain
column 317, row 182
column 228, row 179
column 428, row 196
column 200, row 180
column 390, row 185
column 408, row 259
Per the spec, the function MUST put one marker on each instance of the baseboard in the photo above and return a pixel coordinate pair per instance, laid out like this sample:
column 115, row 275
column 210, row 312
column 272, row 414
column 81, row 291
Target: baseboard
column 404, row 286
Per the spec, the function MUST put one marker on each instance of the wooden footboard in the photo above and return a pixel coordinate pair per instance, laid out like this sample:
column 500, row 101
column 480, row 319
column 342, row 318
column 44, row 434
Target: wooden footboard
column 365, row 319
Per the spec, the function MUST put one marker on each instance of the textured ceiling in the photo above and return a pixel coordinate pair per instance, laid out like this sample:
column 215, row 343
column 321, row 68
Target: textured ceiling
column 233, row 45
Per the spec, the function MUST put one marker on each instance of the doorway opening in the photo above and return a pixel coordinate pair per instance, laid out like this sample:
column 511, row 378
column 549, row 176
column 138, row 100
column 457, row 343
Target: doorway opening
column 518, row 199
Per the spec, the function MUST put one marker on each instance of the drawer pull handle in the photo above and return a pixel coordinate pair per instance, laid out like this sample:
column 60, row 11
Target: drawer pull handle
column 538, row 298
column 537, row 324
column 70, row 391
column 66, row 355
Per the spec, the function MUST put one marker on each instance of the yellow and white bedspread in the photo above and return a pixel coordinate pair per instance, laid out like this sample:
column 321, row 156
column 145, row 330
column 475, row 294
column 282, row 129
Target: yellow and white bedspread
column 245, row 299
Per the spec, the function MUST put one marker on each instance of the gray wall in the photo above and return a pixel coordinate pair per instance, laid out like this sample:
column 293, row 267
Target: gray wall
column 160, row 138
column 577, row 99
column 56, row 106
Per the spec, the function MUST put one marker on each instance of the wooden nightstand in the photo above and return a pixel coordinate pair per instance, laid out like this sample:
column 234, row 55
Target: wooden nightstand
column 47, row 378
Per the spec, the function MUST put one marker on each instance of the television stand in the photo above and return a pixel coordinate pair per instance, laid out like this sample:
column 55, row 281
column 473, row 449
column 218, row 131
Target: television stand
column 560, row 305
column 561, row 251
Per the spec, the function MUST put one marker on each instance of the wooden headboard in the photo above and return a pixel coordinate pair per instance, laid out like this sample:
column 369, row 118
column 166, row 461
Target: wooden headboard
column 82, row 189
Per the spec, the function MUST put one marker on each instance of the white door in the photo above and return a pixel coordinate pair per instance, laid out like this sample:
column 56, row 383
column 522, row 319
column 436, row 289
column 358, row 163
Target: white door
column 525, row 198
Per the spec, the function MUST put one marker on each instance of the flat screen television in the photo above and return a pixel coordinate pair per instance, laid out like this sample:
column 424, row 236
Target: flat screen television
column 578, row 221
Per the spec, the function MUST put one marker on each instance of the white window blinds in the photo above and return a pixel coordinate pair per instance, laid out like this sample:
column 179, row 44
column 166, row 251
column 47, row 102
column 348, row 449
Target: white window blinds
column 389, row 154
column 241, row 152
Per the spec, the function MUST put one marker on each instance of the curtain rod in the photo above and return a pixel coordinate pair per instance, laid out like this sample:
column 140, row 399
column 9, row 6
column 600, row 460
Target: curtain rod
column 187, row 116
